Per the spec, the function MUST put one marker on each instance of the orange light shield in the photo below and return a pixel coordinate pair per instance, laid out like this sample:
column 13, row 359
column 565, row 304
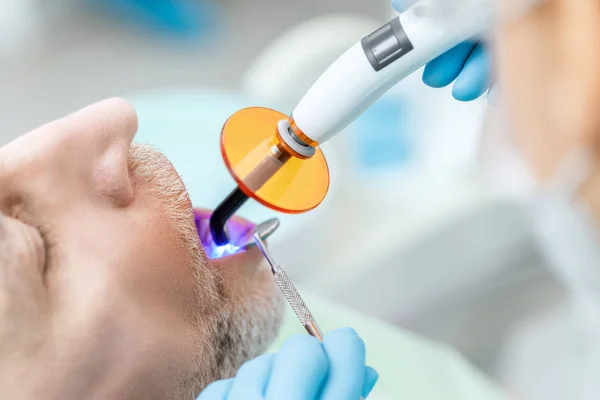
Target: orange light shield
column 247, row 142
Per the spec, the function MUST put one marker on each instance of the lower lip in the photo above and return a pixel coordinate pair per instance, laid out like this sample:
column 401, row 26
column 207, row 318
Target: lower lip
column 237, row 228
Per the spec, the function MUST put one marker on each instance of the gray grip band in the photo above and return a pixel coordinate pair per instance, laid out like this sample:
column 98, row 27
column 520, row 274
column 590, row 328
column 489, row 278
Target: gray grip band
column 386, row 45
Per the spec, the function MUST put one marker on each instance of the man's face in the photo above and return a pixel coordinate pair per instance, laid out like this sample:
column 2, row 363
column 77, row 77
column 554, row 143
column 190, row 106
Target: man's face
column 129, row 306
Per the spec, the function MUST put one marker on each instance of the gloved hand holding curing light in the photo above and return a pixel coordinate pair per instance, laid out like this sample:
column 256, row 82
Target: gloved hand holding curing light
column 467, row 65
column 304, row 369
column 420, row 35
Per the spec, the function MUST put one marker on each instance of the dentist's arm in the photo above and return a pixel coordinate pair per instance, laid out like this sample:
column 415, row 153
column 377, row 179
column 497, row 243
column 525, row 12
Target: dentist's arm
column 467, row 65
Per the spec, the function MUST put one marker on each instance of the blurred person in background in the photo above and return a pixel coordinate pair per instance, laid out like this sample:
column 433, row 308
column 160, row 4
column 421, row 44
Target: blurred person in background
column 542, row 144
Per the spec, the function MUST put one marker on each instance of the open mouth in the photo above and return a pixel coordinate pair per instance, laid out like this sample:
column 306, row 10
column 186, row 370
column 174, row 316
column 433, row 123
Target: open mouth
column 238, row 229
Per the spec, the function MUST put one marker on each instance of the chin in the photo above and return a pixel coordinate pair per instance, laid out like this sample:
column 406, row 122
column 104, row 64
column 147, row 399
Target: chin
column 252, row 308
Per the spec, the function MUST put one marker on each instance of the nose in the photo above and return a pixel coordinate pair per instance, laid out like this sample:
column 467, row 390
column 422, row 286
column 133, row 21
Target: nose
column 85, row 151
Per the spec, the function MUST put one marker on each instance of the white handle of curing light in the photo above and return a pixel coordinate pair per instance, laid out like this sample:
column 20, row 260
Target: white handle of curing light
column 371, row 67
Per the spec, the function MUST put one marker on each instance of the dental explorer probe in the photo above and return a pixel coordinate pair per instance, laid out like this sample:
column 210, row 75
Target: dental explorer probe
column 289, row 291
column 355, row 81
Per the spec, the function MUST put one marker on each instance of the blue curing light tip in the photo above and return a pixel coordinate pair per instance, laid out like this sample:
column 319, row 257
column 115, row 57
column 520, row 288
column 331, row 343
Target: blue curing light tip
column 222, row 251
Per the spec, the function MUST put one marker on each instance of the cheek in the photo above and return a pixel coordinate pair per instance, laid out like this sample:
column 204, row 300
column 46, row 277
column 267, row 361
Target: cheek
column 159, row 273
column 127, row 296
column 130, row 261
column 245, row 275
column 103, row 330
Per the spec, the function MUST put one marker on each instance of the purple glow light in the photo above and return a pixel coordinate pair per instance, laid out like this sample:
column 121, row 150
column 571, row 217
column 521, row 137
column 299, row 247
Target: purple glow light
column 238, row 230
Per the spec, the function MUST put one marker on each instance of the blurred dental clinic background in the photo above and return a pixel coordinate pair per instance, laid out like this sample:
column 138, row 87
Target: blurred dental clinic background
column 408, row 234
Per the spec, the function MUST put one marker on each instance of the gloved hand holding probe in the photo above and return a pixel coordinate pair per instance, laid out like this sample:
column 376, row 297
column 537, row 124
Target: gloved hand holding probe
column 304, row 369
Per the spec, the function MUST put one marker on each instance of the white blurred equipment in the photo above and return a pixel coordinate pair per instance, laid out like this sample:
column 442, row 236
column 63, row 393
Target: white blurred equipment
column 24, row 23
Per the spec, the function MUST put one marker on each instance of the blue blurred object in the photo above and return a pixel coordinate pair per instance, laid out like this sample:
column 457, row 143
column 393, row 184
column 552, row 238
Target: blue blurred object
column 382, row 135
column 467, row 65
column 184, row 18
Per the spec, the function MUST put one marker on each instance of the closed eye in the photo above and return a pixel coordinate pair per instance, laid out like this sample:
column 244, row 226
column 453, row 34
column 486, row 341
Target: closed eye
column 49, row 245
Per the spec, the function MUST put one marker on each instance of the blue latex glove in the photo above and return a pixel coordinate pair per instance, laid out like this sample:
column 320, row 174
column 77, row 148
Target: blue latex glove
column 467, row 65
column 304, row 369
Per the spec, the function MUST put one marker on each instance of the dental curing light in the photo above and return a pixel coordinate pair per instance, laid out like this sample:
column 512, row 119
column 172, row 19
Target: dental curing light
column 276, row 160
